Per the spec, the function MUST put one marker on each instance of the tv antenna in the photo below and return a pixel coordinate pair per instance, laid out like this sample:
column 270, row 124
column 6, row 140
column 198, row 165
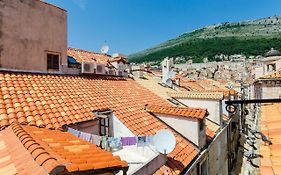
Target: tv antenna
column 164, row 141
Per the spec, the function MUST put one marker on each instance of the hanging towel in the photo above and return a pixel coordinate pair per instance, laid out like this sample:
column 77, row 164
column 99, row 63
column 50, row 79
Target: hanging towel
column 141, row 141
column 126, row 141
column 114, row 142
column 104, row 142
column 149, row 140
column 73, row 131
column 85, row 136
column 96, row 139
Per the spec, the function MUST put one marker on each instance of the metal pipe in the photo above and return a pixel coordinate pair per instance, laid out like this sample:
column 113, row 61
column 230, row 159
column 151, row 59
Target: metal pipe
column 273, row 100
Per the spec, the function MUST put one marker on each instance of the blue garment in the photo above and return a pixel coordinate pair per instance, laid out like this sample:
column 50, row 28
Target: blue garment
column 114, row 142
column 141, row 141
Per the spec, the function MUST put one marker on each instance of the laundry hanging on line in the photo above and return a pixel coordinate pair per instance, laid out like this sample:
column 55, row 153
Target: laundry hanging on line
column 113, row 142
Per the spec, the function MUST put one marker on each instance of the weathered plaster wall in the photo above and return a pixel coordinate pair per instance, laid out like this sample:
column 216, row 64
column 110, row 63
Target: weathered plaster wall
column 217, row 158
column 213, row 106
column 188, row 127
column 28, row 29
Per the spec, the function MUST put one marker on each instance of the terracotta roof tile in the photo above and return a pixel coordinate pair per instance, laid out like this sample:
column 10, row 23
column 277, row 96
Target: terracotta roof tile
column 275, row 75
column 270, row 126
column 205, row 85
column 52, row 101
column 87, row 56
column 20, row 153
column 52, row 149
column 198, row 95
column 178, row 111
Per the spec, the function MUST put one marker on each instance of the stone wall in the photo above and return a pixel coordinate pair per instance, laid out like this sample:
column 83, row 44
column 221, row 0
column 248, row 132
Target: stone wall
column 28, row 30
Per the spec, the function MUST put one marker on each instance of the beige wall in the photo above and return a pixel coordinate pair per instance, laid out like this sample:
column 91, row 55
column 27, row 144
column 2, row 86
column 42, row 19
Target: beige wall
column 218, row 155
column 29, row 28
column 212, row 106
column 188, row 127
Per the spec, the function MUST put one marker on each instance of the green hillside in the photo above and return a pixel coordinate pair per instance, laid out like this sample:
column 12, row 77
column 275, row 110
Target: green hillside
column 247, row 37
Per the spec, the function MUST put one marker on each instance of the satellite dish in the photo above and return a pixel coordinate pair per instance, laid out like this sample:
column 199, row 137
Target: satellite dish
column 104, row 49
column 164, row 141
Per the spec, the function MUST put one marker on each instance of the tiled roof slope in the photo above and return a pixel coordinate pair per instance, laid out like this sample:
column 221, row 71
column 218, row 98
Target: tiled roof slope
column 198, row 95
column 271, row 126
column 78, row 155
column 16, row 159
column 178, row 111
column 52, row 101
column 83, row 55
column 275, row 75
column 152, row 84
column 44, row 151
column 191, row 85
column 206, row 85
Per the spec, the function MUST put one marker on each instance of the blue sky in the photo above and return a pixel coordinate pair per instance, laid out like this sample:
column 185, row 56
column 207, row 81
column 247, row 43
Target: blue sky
column 129, row 26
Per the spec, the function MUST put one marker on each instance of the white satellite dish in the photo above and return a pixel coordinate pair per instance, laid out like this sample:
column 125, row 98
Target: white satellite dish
column 104, row 49
column 164, row 141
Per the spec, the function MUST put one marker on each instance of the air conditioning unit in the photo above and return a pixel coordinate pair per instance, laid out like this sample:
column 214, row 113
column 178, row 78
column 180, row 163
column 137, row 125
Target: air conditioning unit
column 120, row 73
column 100, row 69
column 87, row 68
column 111, row 72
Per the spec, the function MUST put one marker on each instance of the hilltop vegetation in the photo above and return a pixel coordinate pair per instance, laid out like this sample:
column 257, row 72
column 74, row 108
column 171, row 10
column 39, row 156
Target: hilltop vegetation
column 248, row 38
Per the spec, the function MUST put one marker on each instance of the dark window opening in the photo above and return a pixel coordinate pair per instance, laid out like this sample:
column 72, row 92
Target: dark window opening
column 104, row 126
column 271, row 67
column 53, row 61
column 204, row 168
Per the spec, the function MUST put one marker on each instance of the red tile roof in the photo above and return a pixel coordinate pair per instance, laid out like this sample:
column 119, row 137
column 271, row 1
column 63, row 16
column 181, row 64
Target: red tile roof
column 197, row 95
column 178, row 111
column 275, row 75
column 206, row 85
column 118, row 59
column 191, row 85
column 210, row 133
column 271, row 127
column 52, row 101
column 15, row 158
column 83, row 55
column 47, row 151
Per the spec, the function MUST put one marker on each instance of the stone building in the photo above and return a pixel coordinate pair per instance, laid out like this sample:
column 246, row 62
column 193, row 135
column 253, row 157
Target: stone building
column 33, row 36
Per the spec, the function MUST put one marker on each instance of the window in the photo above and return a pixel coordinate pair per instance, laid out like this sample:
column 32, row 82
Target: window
column 53, row 61
column 104, row 126
column 203, row 168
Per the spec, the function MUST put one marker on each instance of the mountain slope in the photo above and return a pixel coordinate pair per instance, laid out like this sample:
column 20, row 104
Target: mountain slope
column 247, row 37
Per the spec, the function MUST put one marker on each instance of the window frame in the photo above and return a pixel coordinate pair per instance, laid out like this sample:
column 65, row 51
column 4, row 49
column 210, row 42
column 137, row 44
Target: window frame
column 47, row 61
column 104, row 126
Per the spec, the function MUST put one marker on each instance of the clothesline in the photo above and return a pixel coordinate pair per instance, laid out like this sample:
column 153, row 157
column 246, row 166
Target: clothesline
column 113, row 142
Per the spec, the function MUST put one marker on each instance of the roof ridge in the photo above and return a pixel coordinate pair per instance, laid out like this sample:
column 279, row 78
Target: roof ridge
column 39, row 153
column 92, row 52
column 198, row 113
